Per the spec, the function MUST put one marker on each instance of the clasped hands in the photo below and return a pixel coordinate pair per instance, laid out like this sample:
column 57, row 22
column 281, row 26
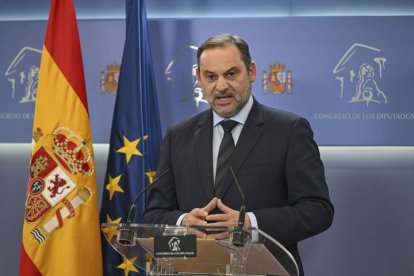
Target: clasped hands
column 202, row 216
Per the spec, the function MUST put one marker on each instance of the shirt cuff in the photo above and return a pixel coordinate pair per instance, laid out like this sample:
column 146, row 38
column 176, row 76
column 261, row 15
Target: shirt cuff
column 253, row 220
column 180, row 219
column 253, row 223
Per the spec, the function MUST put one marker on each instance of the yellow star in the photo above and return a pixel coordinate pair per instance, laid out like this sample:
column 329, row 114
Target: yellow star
column 130, row 148
column 113, row 186
column 151, row 175
column 128, row 265
column 111, row 230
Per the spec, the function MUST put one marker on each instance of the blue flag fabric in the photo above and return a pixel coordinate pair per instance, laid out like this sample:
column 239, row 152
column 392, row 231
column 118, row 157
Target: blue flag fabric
column 135, row 136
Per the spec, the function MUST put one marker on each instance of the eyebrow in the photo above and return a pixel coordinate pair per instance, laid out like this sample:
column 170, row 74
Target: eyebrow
column 228, row 70
column 233, row 68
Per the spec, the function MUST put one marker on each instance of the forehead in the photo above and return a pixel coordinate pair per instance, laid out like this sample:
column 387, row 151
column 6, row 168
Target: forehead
column 220, row 58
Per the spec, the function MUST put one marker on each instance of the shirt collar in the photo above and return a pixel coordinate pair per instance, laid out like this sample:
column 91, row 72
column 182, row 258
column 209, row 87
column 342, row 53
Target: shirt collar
column 240, row 117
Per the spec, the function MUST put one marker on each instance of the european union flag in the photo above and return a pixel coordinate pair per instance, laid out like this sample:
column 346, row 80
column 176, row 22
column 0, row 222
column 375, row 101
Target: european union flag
column 135, row 136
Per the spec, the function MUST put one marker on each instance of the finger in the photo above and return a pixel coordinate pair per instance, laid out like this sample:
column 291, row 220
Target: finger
column 217, row 217
column 190, row 219
column 230, row 219
column 211, row 205
column 215, row 224
column 216, row 227
column 197, row 212
column 223, row 207
column 218, row 236
column 227, row 223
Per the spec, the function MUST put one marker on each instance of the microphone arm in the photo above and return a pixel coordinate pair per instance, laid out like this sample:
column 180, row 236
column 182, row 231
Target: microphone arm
column 126, row 235
column 132, row 210
column 239, row 235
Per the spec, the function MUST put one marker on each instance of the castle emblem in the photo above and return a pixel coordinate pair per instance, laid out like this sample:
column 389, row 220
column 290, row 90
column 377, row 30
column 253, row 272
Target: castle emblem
column 23, row 75
column 359, row 72
column 278, row 80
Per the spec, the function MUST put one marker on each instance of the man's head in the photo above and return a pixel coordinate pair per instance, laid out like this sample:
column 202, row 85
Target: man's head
column 225, row 73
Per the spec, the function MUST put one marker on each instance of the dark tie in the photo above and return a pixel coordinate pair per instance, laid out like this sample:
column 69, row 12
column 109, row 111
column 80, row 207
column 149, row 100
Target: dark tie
column 224, row 154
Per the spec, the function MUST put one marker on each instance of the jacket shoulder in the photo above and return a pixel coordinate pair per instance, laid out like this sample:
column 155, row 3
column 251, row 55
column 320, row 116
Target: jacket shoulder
column 279, row 115
column 193, row 122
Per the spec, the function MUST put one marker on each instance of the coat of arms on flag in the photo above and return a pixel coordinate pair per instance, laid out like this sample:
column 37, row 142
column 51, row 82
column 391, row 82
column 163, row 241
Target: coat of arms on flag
column 51, row 179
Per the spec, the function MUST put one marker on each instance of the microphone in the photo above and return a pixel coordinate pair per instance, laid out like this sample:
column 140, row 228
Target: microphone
column 239, row 235
column 126, row 235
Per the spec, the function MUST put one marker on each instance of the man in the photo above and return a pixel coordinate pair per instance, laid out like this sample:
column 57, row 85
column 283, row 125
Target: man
column 275, row 159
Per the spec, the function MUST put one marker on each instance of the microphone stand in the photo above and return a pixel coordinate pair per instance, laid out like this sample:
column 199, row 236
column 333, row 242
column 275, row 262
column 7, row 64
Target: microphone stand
column 239, row 235
column 126, row 236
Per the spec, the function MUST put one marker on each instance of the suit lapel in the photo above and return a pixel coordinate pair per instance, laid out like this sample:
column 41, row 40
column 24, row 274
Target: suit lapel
column 204, row 152
column 249, row 136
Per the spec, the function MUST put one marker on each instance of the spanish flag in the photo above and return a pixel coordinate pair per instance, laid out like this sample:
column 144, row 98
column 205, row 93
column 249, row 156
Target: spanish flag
column 61, row 233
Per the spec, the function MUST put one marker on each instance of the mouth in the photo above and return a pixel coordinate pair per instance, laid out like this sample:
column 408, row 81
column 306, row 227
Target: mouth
column 223, row 100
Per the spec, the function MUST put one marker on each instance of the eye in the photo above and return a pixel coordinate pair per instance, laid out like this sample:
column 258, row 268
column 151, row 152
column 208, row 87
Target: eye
column 232, row 74
column 210, row 77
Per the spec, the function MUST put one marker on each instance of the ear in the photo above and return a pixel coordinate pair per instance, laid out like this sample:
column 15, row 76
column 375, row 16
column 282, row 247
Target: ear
column 198, row 73
column 252, row 71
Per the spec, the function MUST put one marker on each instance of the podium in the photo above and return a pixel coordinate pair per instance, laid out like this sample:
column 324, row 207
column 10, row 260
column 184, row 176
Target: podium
column 159, row 249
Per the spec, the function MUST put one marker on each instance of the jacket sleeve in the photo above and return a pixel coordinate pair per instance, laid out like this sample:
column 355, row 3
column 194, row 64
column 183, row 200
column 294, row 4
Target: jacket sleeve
column 308, row 210
column 162, row 201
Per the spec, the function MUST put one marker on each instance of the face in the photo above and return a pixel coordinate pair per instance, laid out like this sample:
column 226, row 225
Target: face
column 225, row 80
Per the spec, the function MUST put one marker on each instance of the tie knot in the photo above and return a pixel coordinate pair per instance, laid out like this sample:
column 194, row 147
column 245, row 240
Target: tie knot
column 228, row 125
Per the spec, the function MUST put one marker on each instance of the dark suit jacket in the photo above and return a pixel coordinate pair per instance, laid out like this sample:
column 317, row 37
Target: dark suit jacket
column 276, row 161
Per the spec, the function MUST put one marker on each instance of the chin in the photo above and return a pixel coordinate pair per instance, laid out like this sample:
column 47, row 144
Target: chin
column 225, row 112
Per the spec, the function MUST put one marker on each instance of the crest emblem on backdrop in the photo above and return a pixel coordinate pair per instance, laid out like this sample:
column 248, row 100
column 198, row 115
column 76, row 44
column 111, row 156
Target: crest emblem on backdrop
column 109, row 80
column 277, row 80
column 51, row 180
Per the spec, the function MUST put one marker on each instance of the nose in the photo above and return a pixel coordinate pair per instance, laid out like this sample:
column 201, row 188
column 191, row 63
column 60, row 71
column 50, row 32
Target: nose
column 222, row 84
